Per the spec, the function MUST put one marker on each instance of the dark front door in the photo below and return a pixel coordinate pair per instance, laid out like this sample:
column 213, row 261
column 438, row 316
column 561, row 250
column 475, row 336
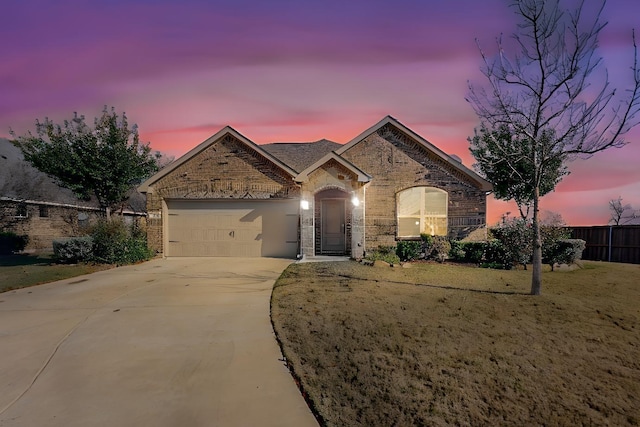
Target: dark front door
column 333, row 227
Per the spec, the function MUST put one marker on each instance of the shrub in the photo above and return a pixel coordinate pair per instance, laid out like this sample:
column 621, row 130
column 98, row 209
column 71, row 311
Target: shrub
column 496, row 256
column 457, row 252
column 408, row 250
column 116, row 243
column 427, row 245
column 516, row 236
column 471, row 252
column 384, row 253
column 577, row 247
column 73, row 250
column 440, row 248
column 565, row 251
column 11, row 243
column 552, row 235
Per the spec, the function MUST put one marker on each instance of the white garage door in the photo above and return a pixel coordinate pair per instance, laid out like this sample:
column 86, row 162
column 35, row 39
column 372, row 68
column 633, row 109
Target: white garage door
column 234, row 228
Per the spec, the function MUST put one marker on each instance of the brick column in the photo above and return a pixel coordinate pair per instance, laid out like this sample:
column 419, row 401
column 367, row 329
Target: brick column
column 357, row 225
column 307, row 229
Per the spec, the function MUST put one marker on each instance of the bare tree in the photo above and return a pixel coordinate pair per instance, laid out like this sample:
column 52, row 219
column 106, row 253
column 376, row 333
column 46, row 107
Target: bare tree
column 551, row 97
column 621, row 214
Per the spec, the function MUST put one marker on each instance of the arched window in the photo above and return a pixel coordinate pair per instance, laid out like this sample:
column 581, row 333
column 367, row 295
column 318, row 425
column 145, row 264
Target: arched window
column 422, row 210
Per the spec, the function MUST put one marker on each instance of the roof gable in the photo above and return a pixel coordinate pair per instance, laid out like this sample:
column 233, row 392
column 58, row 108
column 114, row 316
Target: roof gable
column 227, row 130
column 426, row 145
column 360, row 175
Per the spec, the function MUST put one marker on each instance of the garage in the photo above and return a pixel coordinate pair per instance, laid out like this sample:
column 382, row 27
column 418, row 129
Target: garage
column 232, row 228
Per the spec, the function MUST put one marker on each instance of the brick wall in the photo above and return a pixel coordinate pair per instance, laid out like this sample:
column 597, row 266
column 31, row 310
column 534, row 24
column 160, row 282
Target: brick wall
column 397, row 162
column 44, row 223
column 227, row 168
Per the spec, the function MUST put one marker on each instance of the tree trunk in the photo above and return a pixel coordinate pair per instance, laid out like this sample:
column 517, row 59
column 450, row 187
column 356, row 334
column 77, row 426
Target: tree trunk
column 536, row 277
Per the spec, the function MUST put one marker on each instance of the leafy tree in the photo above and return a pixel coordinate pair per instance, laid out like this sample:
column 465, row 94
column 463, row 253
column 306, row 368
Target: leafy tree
column 504, row 159
column 105, row 160
column 621, row 214
column 546, row 104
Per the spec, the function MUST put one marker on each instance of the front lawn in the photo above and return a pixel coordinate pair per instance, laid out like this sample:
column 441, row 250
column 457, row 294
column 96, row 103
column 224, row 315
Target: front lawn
column 440, row 345
column 20, row 271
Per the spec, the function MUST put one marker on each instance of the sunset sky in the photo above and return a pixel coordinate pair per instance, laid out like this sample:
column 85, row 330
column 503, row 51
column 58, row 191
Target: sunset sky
column 288, row 71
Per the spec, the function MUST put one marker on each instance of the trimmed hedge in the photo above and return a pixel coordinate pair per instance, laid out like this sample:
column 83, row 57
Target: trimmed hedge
column 469, row 252
column 73, row 250
column 496, row 254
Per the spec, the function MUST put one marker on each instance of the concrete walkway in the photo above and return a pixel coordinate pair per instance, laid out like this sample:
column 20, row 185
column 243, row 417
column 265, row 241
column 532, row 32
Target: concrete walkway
column 173, row 342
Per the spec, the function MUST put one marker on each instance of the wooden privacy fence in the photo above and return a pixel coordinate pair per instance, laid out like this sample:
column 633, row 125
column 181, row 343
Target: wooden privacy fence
column 613, row 243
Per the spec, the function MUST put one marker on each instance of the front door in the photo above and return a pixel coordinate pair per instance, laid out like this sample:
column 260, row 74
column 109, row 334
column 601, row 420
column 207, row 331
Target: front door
column 333, row 227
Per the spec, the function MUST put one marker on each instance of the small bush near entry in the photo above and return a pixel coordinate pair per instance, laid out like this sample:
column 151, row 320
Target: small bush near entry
column 408, row 250
column 11, row 243
column 384, row 253
column 116, row 243
column 73, row 250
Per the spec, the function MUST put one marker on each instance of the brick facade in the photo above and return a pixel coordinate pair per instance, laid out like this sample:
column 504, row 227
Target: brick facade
column 400, row 162
column 373, row 168
column 228, row 168
column 332, row 181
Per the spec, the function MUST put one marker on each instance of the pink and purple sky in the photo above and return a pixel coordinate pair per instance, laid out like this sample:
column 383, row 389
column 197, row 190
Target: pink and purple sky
column 288, row 71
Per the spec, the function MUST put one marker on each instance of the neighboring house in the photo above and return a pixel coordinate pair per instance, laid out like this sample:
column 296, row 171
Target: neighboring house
column 231, row 197
column 32, row 204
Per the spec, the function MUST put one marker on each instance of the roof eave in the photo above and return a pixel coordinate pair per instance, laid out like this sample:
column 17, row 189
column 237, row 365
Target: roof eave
column 483, row 184
column 360, row 174
column 147, row 186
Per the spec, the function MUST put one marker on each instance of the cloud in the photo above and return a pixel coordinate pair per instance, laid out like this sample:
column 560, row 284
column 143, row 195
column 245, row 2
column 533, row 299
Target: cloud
column 281, row 70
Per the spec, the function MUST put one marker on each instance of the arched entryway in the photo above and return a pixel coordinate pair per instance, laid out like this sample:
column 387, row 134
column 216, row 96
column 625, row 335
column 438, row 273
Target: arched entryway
column 333, row 213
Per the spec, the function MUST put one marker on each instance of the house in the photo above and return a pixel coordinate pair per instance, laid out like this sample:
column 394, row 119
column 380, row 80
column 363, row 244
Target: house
column 231, row 197
column 33, row 204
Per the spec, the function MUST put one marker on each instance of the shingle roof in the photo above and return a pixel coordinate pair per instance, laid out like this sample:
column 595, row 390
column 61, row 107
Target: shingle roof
column 300, row 155
column 20, row 180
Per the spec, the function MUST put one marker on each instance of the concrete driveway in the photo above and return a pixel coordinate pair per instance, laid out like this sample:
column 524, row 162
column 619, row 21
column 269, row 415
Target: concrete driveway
column 171, row 342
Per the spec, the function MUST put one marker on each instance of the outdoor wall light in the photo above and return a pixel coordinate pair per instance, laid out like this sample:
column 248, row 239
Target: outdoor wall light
column 304, row 205
column 355, row 201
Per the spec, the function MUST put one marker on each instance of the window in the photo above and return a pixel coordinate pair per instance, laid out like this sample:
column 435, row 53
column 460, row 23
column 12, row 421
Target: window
column 21, row 211
column 83, row 219
column 422, row 210
column 44, row 211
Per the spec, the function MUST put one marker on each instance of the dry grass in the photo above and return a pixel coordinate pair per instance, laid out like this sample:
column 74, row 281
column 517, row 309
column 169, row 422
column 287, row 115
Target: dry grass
column 443, row 345
column 21, row 271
